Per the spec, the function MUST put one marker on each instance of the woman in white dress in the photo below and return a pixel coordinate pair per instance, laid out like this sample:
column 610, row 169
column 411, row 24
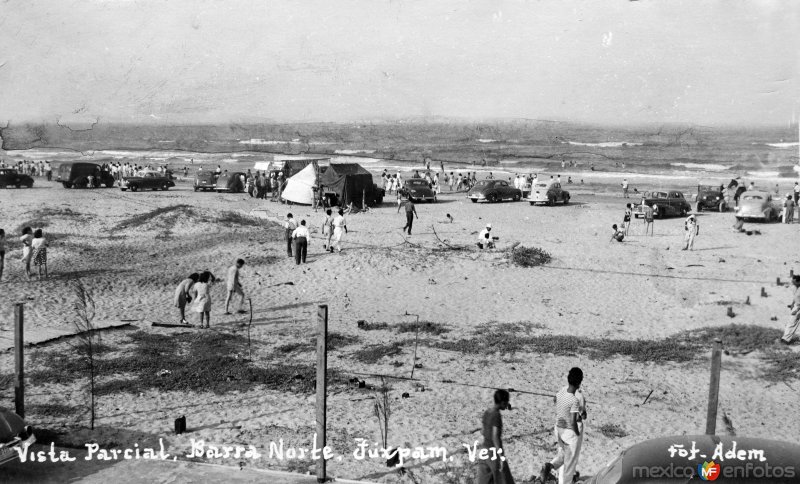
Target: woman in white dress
column 202, row 298
column 27, row 251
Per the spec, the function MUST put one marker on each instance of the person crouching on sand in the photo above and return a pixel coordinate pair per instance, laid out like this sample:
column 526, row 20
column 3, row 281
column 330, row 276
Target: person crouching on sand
column 183, row 294
column 494, row 470
column 616, row 233
column 485, row 239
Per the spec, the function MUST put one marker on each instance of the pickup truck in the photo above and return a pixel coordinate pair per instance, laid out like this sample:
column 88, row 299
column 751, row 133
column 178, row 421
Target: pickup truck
column 148, row 179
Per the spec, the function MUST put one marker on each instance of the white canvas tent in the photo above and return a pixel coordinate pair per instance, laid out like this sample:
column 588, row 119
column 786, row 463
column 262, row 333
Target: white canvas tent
column 263, row 166
column 299, row 188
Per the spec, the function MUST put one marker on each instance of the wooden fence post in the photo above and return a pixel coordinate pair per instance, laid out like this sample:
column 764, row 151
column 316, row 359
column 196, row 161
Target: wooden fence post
column 713, row 388
column 322, row 367
column 19, row 372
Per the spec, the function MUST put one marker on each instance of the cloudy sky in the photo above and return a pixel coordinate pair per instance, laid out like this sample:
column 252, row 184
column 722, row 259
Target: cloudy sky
column 611, row 61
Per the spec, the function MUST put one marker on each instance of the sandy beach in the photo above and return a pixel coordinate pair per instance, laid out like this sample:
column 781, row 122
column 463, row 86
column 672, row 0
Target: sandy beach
column 130, row 250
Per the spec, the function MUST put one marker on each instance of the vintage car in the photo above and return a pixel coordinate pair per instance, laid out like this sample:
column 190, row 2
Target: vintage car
column 757, row 205
column 76, row 175
column 230, row 182
column 205, row 180
column 153, row 180
column 15, row 435
column 493, row 191
column 548, row 192
column 417, row 189
column 699, row 458
column 10, row 177
column 711, row 197
column 664, row 204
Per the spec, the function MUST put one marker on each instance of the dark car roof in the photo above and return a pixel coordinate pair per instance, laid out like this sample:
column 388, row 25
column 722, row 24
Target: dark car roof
column 656, row 453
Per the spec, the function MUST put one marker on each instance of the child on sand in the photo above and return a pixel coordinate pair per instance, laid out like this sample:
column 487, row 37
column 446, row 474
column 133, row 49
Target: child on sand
column 617, row 234
column 201, row 292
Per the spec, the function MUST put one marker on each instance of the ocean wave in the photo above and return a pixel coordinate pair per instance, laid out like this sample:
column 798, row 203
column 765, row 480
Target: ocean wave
column 702, row 166
column 482, row 140
column 607, row 144
column 354, row 152
column 782, row 145
column 256, row 141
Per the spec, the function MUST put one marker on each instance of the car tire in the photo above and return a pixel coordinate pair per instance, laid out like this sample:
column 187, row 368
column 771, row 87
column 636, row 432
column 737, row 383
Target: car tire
column 551, row 201
column 566, row 200
column 722, row 207
column 532, row 203
column 29, row 185
column 474, row 200
column 18, row 185
column 517, row 197
column 124, row 189
column 195, row 188
column 492, row 198
column 133, row 188
column 165, row 187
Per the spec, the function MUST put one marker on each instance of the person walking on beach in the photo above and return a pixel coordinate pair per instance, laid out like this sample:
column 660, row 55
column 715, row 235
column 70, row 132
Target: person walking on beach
column 495, row 469
column 411, row 212
column 794, row 321
column 234, row 286
column 625, row 187
column 183, row 294
column 2, row 252
column 692, row 230
column 570, row 414
column 327, row 230
column 201, row 293
column 27, row 251
column 301, row 236
column 289, row 227
column 339, row 229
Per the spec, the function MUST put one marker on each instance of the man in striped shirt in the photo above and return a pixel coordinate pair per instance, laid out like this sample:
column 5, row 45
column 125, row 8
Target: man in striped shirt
column 570, row 413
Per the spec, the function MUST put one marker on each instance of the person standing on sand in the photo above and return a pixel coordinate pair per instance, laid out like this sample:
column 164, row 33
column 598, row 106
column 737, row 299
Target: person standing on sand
column 289, row 227
column 339, row 229
column 495, row 469
column 692, row 230
column 626, row 219
column 570, row 414
column 201, row 293
column 301, row 236
column 327, row 230
column 788, row 209
column 625, row 187
column 39, row 252
column 234, row 286
column 2, row 252
column 27, row 251
column 183, row 294
column 648, row 219
column 794, row 321
column 411, row 212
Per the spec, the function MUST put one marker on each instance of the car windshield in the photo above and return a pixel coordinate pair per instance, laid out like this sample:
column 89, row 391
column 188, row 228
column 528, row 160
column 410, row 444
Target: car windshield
column 753, row 197
column 417, row 183
column 541, row 185
column 483, row 183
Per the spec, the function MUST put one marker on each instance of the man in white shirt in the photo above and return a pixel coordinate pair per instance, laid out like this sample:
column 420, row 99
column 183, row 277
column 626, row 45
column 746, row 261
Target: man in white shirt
column 692, row 230
column 301, row 236
column 289, row 227
column 485, row 240
column 339, row 229
column 234, row 287
column 625, row 187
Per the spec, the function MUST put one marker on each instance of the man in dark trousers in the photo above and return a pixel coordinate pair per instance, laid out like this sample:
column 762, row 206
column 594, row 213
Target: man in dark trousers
column 301, row 236
column 411, row 212
column 289, row 225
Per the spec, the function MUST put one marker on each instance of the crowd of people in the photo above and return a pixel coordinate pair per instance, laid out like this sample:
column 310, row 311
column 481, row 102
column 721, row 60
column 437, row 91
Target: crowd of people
column 41, row 169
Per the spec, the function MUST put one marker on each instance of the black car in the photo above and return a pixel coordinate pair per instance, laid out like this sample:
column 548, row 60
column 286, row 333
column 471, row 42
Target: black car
column 10, row 177
column 76, row 175
column 493, row 191
column 711, row 197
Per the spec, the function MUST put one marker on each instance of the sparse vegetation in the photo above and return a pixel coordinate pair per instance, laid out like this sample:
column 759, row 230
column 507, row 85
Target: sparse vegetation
column 209, row 361
column 424, row 327
column 236, row 218
column 373, row 353
column 613, row 431
column 335, row 342
column 143, row 218
column 530, row 256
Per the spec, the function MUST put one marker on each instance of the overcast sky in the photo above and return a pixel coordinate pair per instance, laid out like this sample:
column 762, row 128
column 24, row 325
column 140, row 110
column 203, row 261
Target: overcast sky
column 610, row 61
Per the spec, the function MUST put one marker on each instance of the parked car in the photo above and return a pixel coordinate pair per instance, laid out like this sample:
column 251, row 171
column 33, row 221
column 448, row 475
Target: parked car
column 205, row 180
column 711, row 197
column 14, row 434
column 493, row 191
column 664, row 204
column 685, row 458
column 757, row 205
column 10, row 177
column 230, row 182
column 417, row 189
column 76, row 175
column 548, row 192
column 149, row 179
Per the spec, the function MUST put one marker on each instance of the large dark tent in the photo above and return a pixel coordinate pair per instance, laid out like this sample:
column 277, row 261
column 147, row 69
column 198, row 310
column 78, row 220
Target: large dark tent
column 349, row 182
